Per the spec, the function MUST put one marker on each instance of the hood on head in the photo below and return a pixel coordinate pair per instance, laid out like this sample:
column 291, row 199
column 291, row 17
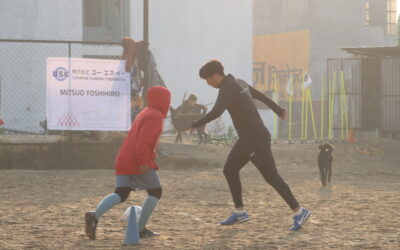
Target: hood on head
column 159, row 98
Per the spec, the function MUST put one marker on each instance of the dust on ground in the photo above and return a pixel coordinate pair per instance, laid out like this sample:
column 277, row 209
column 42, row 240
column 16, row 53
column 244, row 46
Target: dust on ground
column 44, row 209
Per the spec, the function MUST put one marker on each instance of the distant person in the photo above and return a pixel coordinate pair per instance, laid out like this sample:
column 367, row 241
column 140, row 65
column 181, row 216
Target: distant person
column 190, row 107
column 254, row 143
column 325, row 159
column 136, row 106
column 135, row 166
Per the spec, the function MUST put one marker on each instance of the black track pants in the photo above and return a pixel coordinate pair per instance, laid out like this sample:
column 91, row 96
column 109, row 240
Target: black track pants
column 261, row 156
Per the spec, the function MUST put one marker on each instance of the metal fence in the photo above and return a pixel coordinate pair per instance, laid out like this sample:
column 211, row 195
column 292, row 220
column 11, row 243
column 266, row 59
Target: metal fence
column 23, row 85
column 353, row 82
column 23, row 96
column 329, row 115
column 344, row 96
column 390, row 110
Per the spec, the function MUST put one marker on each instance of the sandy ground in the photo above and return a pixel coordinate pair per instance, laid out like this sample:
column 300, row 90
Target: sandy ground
column 44, row 209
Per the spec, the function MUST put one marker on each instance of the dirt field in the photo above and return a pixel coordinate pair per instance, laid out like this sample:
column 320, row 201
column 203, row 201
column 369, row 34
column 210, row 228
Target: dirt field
column 44, row 209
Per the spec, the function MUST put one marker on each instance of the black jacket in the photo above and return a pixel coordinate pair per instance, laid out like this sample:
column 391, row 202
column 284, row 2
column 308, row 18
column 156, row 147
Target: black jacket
column 236, row 96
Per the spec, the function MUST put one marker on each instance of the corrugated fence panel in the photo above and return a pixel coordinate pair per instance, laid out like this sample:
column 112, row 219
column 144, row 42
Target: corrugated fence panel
column 391, row 95
column 351, row 68
column 23, row 81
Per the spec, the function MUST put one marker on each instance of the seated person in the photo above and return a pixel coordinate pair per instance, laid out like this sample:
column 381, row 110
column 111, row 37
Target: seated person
column 190, row 107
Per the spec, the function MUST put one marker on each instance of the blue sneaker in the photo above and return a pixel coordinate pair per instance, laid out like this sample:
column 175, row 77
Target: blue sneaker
column 236, row 218
column 299, row 220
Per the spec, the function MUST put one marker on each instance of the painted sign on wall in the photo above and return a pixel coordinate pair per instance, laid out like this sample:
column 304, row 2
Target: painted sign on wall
column 279, row 59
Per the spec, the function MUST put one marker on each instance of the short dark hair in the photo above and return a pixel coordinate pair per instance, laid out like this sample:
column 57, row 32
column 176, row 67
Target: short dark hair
column 211, row 68
column 193, row 97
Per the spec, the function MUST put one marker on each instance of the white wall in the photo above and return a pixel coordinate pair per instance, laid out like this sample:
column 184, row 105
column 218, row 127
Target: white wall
column 23, row 65
column 185, row 34
column 41, row 19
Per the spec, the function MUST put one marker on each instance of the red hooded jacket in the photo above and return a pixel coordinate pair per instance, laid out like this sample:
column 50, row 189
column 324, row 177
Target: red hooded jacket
column 139, row 146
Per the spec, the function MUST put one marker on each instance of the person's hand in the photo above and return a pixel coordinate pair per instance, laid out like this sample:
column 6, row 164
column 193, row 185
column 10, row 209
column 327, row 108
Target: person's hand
column 283, row 115
column 144, row 168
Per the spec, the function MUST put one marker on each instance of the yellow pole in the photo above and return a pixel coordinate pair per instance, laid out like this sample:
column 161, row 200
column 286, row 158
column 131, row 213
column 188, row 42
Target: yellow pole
column 322, row 108
column 276, row 99
column 341, row 107
column 332, row 104
column 290, row 106
column 312, row 114
column 306, row 120
column 329, row 106
column 346, row 118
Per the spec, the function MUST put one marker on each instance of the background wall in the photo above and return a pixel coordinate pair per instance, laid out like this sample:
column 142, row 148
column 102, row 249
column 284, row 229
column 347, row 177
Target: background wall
column 183, row 36
column 186, row 34
column 41, row 19
column 332, row 25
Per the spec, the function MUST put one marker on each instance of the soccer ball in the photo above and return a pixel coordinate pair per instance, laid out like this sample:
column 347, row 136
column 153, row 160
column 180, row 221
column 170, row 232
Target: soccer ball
column 127, row 212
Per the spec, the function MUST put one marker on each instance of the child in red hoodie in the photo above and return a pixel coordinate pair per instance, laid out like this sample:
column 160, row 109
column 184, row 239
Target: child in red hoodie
column 135, row 166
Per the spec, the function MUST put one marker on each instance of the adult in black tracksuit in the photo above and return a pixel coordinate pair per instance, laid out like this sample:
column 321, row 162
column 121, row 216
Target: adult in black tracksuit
column 254, row 142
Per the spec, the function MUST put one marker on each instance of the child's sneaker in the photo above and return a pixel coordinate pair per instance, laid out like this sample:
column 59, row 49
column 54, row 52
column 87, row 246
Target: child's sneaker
column 299, row 220
column 146, row 233
column 235, row 218
column 91, row 224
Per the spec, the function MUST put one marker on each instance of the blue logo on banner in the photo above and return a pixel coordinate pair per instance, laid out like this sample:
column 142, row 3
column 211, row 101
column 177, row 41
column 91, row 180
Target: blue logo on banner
column 61, row 73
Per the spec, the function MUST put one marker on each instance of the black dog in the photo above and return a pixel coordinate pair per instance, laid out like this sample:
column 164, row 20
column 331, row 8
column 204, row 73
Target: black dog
column 325, row 159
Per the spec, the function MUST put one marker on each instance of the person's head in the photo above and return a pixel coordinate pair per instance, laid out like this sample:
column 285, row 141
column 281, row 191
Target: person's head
column 192, row 99
column 326, row 148
column 159, row 98
column 213, row 73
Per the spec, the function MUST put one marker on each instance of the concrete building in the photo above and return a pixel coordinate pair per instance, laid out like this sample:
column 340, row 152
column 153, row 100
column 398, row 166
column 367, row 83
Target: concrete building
column 303, row 34
column 41, row 20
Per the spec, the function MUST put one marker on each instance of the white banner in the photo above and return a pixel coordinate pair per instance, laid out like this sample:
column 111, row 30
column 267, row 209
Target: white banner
column 87, row 94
